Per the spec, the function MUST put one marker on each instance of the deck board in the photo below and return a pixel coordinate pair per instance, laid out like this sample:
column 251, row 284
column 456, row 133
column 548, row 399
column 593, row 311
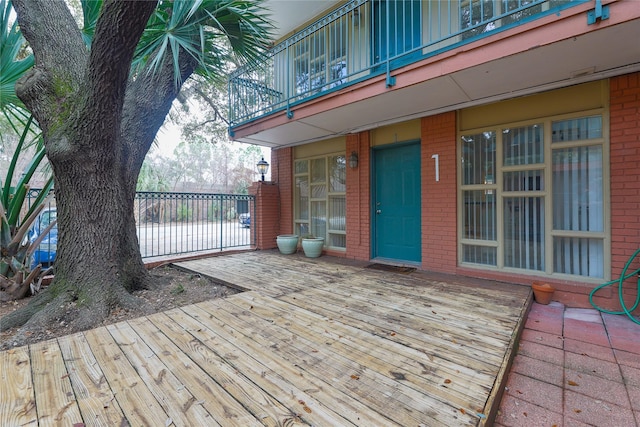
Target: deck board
column 219, row 372
column 387, row 354
column 272, row 374
column 169, row 391
column 50, row 377
column 444, row 333
column 349, row 369
column 17, row 399
column 323, row 342
column 95, row 399
column 138, row 403
column 307, row 362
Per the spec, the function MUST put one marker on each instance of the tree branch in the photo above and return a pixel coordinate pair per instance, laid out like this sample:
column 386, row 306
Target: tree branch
column 53, row 34
column 147, row 103
column 208, row 100
column 118, row 31
column 59, row 51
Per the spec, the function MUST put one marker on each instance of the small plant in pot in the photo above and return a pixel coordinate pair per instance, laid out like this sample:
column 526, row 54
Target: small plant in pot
column 287, row 243
column 312, row 246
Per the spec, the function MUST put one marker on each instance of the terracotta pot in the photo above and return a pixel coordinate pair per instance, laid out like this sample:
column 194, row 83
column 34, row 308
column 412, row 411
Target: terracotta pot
column 542, row 292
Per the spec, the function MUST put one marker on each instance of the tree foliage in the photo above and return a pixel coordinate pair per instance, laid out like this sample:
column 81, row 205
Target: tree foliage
column 199, row 166
column 24, row 158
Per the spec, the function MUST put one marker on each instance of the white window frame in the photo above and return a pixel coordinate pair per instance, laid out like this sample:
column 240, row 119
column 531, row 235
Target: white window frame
column 497, row 187
column 298, row 223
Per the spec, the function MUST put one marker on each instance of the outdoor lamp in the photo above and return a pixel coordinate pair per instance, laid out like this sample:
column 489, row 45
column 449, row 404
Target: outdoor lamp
column 263, row 167
column 353, row 160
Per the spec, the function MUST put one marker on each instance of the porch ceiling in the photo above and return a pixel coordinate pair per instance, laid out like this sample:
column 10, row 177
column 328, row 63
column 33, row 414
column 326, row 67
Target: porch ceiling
column 290, row 15
column 576, row 60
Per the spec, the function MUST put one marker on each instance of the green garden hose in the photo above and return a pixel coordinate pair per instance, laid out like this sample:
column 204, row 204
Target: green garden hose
column 624, row 276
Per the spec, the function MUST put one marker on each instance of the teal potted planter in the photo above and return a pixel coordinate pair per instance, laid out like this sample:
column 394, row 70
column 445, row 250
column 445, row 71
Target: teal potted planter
column 287, row 243
column 312, row 246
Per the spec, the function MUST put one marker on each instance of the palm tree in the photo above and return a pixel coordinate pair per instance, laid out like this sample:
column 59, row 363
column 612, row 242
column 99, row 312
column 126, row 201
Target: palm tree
column 16, row 276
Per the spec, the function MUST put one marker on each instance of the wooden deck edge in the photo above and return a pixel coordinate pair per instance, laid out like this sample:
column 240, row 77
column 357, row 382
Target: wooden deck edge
column 149, row 265
column 495, row 397
column 212, row 278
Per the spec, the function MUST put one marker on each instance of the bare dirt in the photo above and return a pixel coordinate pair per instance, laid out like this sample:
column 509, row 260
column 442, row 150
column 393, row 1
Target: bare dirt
column 173, row 288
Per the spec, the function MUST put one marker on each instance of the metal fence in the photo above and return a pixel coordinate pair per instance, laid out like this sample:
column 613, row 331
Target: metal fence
column 366, row 38
column 178, row 223
column 181, row 223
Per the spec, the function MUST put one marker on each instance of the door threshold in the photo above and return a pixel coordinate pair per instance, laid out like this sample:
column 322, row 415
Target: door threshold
column 396, row 262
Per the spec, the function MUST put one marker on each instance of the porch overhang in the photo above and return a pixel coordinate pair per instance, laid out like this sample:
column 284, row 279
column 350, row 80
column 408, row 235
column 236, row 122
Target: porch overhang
column 546, row 54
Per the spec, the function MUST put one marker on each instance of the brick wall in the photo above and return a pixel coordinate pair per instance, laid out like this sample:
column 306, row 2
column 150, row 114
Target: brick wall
column 266, row 223
column 358, row 199
column 439, row 248
column 625, row 175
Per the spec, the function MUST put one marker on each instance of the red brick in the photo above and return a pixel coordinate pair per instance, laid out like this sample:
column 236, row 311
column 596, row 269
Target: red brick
column 358, row 199
column 624, row 138
column 439, row 227
column 267, row 218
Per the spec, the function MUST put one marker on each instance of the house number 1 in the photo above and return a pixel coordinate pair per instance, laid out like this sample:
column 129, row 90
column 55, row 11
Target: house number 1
column 437, row 158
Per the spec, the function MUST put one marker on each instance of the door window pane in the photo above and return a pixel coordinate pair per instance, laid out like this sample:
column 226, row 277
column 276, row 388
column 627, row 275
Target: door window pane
column 579, row 129
column 318, row 173
column 578, row 189
column 302, row 198
column 479, row 254
column 318, row 191
column 337, row 213
column 479, row 158
column 579, row 256
column 337, row 174
column 337, row 240
column 523, row 181
column 301, row 166
column 319, row 219
column 479, row 215
column 523, row 219
column 523, row 146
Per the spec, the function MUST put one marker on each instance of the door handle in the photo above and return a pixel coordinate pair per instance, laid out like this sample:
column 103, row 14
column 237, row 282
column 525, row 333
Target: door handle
column 378, row 211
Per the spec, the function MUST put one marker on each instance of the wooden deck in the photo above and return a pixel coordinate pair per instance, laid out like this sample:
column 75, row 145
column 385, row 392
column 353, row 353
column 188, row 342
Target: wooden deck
column 311, row 342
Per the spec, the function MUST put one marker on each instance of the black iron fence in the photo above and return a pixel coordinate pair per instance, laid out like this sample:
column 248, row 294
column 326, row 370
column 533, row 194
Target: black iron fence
column 180, row 223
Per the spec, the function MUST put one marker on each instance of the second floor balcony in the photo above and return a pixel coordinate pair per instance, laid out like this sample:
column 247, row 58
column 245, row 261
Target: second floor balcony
column 367, row 39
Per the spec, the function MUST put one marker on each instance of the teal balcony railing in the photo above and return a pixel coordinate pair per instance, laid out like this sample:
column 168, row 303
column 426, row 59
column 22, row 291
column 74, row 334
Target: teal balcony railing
column 367, row 38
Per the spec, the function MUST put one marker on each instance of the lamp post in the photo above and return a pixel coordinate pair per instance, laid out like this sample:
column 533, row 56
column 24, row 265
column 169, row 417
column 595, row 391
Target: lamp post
column 263, row 167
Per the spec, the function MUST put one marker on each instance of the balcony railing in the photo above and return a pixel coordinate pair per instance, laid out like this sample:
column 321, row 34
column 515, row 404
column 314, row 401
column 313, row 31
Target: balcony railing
column 366, row 38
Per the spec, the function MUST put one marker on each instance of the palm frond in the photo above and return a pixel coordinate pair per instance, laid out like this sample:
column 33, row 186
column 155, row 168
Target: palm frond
column 14, row 60
column 204, row 29
column 90, row 13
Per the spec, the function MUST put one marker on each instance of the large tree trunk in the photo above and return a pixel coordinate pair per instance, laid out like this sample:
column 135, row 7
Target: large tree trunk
column 98, row 257
column 98, row 124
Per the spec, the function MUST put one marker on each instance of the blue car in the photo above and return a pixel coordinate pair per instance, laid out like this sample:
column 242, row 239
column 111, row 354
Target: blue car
column 245, row 220
column 45, row 253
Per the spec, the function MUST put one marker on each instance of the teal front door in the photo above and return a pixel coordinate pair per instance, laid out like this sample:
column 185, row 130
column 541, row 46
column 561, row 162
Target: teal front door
column 396, row 203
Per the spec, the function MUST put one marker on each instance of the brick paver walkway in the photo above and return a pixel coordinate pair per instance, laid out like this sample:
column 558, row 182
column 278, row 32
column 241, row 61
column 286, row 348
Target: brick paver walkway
column 574, row 367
